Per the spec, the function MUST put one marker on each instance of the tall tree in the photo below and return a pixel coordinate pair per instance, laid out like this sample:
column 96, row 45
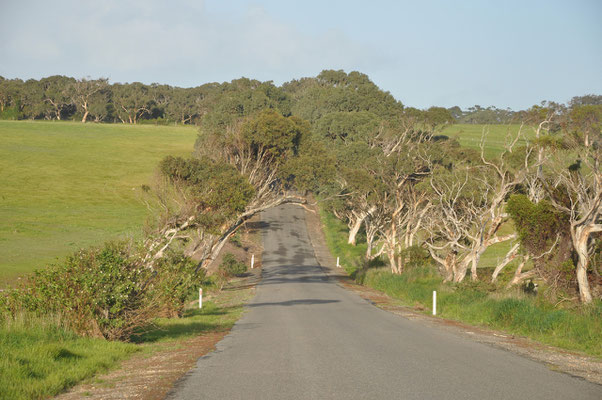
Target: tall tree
column 86, row 91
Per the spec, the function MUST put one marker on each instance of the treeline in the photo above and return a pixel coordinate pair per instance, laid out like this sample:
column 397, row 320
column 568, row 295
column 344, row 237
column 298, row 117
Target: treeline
column 65, row 98
column 493, row 115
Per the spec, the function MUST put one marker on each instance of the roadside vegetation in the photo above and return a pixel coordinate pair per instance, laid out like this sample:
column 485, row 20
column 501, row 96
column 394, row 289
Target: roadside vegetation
column 518, row 310
column 42, row 357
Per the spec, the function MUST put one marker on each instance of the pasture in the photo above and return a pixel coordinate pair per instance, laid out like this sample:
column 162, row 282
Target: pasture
column 496, row 136
column 66, row 185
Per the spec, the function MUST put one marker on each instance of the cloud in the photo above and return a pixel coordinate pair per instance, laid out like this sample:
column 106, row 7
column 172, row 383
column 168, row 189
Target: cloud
column 184, row 44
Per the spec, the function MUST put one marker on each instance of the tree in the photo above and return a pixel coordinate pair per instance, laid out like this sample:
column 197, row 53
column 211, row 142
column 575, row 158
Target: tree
column 573, row 180
column 132, row 101
column 55, row 94
column 85, row 91
column 259, row 148
column 470, row 209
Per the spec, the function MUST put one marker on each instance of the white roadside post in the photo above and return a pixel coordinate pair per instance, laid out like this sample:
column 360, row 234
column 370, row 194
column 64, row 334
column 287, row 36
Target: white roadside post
column 200, row 297
column 434, row 302
column 252, row 260
column 338, row 265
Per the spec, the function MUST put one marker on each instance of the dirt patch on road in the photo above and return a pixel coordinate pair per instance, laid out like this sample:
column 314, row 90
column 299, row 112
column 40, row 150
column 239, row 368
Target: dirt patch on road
column 575, row 364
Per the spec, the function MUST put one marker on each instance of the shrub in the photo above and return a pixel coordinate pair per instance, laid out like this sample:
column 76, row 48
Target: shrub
column 98, row 292
column 415, row 256
column 231, row 266
column 174, row 282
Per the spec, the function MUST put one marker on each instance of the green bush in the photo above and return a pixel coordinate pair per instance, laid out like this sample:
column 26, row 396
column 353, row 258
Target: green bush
column 174, row 283
column 98, row 292
column 415, row 256
column 11, row 113
column 231, row 266
column 107, row 291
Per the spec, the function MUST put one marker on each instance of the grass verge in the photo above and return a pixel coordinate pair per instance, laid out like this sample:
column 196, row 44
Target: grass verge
column 577, row 329
column 39, row 358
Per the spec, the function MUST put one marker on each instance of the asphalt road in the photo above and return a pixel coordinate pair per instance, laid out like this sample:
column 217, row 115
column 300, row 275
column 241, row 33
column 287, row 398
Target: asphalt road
column 304, row 337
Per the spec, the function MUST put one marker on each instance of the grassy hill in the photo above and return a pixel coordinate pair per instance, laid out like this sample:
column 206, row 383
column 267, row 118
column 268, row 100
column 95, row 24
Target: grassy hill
column 469, row 135
column 66, row 185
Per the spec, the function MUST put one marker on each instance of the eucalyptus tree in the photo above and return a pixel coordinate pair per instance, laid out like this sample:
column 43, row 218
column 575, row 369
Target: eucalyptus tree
column 573, row 181
column 131, row 101
column 184, row 104
column 336, row 91
column 235, row 173
column 55, row 93
column 261, row 148
column 470, row 208
column 85, row 91
column 402, row 205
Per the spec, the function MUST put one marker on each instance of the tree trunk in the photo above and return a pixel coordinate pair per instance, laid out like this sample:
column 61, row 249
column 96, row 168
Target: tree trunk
column 392, row 263
column 511, row 255
column 518, row 275
column 369, row 242
column 473, row 267
column 462, row 269
column 355, row 228
column 580, row 238
column 85, row 117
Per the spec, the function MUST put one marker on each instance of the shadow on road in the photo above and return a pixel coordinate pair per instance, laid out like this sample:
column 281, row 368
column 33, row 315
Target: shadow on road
column 295, row 302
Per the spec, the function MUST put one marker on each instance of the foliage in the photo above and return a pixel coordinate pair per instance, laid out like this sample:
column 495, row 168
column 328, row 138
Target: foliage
column 543, row 234
column 175, row 280
column 231, row 266
column 415, row 256
column 216, row 189
column 107, row 291
column 99, row 292
column 537, row 224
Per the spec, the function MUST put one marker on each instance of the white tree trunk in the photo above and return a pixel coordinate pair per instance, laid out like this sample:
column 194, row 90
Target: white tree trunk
column 580, row 238
column 511, row 255
column 355, row 228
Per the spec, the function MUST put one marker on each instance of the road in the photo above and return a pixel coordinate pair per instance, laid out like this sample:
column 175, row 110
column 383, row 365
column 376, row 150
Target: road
column 305, row 337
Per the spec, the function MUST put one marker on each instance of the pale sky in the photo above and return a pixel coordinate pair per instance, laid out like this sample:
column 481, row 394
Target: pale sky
column 504, row 53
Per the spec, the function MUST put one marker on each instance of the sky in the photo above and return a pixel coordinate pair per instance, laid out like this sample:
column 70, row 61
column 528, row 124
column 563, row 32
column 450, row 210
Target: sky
column 425, row 53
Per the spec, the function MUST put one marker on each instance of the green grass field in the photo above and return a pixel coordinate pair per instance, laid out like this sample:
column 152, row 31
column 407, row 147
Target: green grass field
column 65, row 185
column 470, row 135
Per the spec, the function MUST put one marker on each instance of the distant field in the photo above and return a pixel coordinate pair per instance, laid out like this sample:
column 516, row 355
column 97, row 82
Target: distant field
column 66, row 185
column 469, row 135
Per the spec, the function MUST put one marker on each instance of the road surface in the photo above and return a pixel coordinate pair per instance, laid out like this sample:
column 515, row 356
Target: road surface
column 304, row 337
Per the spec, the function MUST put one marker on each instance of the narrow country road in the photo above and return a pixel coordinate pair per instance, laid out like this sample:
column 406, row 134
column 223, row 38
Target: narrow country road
column 304, row 337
